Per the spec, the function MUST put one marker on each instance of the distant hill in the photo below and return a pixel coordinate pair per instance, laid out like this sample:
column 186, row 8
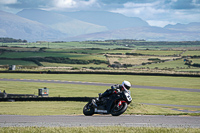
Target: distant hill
column 149, row 33
column 60, row 22
column 39, row 25
column 20, row 28
column 111, row 20
column 193, row 27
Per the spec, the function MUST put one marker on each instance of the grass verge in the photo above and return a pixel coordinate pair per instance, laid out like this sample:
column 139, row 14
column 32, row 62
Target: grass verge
column 107, row 129
column 164, row 81
column 75, row 108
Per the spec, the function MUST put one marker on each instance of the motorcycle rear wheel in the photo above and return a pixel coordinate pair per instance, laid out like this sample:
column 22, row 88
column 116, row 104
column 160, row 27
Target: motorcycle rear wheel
column 116, row 111
column 88, row 110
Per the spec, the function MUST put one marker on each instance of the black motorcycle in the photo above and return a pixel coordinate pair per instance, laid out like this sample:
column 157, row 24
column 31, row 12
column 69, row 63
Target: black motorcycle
column 116, row 104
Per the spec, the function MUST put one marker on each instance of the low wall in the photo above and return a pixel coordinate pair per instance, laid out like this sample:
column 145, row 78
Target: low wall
column 78, row 99
column 104, row 72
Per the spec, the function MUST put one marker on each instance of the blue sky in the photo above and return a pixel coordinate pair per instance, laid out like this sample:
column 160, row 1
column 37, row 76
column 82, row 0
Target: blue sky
column 155, row 12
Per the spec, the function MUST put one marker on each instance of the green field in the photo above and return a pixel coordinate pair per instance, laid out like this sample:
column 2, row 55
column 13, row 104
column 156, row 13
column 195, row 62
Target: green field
column 17, row 62
column 191, row 53
column 118, row 54
column 164, row 81
column 177, row 64
column 88, row 51
column 47, row 64
column 43, row 54
column 139, row 95
column 64, row 45
column 158, row 52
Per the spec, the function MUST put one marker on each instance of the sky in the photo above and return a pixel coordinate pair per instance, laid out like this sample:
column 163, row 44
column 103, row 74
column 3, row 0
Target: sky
column 155, row 12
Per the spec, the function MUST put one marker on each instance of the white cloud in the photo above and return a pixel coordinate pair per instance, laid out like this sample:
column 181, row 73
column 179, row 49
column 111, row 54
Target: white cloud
column 73, row 4
column 4, row 2
column 159, row 23
column 159, row 13
column 65, row 3
column 142, row 10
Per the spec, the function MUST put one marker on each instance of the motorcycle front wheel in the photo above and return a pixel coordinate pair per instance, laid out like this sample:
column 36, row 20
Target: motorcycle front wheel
column 88, row 110
column 118, row 110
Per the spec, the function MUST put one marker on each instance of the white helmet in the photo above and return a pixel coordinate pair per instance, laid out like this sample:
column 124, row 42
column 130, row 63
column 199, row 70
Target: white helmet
column 126, row 84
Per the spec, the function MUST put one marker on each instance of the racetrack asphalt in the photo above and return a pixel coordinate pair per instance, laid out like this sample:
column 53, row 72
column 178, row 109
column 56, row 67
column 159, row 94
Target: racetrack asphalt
column 100, row 120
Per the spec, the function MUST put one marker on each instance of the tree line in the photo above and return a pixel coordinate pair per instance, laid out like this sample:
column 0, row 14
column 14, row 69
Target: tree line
column 37, row 60
column 10, row 40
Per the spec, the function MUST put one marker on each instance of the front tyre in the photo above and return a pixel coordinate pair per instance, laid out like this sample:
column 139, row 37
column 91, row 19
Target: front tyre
column 118, row 110
column 88, row 110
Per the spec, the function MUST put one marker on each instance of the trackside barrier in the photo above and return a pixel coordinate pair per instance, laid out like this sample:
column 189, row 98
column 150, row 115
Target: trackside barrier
column 111, row 73
column 78, row 99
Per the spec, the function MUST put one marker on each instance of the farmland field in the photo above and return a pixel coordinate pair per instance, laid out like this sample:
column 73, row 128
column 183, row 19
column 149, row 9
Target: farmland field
column 17, row 62
column 158, row 52
column 119, row 55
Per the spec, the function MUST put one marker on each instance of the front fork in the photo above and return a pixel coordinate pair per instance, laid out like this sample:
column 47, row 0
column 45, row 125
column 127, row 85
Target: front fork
column 120, row 103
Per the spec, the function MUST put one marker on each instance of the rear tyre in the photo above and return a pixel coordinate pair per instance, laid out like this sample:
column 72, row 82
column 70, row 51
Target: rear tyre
column 88, row 110
column 116, row 111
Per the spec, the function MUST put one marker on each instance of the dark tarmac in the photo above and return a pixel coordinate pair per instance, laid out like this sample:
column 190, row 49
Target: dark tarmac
column 100, row 120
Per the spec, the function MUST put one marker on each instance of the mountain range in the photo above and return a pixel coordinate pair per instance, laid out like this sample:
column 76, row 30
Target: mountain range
column 21, row 28
column 40, row 25
column 150, row 33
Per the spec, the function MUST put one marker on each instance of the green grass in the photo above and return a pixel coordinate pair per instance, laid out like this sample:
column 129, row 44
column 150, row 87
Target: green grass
column 71, row 90
column 89, row 51
column 43, row 54
column 68, row 45
column 71, row 108
column 105, row 129
column 17, row 62
column 164, row 81
column 158, row 52
column 191, row 53
column 170, row 64
column 55, row 90
column 139, row 95
column 47, row 64
column 196, row 61
column 189, row 70
column 165, row 97
column 135, row 60
column 20, row 49
column 41, row 108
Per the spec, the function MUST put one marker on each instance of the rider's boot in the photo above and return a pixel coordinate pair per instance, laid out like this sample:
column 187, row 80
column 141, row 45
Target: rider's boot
column 97, row 100
column 94, row 103
column 100, row 96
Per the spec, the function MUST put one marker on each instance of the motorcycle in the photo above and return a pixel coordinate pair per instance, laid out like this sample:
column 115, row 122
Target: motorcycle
column 116, row 104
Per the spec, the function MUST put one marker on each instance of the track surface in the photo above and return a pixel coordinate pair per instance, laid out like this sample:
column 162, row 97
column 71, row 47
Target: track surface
column 100, row 120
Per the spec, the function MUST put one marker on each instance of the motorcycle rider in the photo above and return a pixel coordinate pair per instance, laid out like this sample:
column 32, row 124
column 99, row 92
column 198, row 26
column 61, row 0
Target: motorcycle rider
column 126, row 85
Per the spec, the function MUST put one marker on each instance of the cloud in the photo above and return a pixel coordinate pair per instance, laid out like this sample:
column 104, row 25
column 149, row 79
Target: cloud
column 156, row 12
column 21, row 4
column 186, row 4
column 162, row 12
column 159, row 23
column 74, row 4
column 5, row 2
column 143, row 10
